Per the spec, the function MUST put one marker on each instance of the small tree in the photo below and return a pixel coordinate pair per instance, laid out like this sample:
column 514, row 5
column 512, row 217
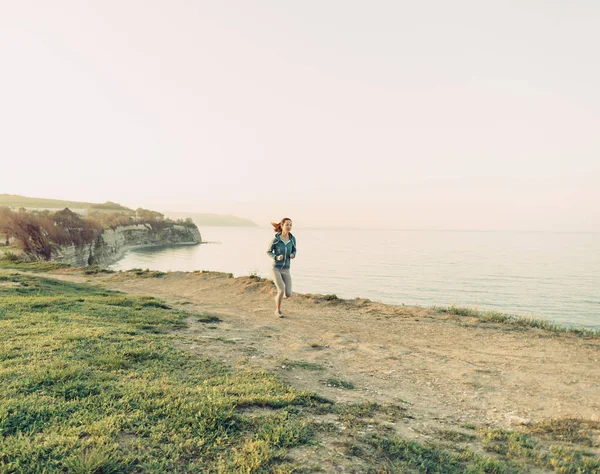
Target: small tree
column 5, row 216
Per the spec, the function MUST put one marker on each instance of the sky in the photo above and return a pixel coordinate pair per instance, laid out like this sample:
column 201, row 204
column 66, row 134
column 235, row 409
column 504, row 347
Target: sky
column 337, row 113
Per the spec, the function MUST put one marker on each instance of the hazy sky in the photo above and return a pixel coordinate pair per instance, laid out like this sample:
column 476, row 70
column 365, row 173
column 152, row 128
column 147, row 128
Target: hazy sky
column 432, row 114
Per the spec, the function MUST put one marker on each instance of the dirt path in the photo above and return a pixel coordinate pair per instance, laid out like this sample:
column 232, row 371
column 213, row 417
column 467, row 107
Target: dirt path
column 445, row 370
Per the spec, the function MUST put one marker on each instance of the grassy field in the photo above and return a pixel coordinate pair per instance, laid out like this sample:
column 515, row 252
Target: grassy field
column 35, row 267
column 90, row 382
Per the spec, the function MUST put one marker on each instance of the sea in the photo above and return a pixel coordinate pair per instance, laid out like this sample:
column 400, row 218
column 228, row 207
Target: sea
column 542, row 275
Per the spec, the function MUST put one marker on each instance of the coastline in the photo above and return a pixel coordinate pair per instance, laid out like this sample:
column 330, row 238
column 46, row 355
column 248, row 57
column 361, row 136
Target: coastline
column 111, row 245
column 494, row 284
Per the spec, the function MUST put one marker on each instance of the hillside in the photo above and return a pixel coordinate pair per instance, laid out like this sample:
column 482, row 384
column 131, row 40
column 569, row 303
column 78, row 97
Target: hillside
column 201, row 219
column 16, row 201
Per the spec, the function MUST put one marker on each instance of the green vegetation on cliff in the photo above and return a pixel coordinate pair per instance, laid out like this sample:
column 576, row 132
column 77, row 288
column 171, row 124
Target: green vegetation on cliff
column 201, row 219
column 35, row 232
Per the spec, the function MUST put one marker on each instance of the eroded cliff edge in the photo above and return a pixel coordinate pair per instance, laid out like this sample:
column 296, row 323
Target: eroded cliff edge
column 111, row 244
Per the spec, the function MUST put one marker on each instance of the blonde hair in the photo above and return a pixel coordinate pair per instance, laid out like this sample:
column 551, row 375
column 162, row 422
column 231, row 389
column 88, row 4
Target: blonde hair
column 278, row 226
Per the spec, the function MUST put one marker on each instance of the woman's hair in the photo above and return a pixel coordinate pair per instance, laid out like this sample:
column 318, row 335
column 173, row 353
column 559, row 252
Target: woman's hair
column 278, row 226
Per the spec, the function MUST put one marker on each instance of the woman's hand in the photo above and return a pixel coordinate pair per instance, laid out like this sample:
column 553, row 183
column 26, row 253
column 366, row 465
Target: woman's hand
column 292, row 255
column 279, row 258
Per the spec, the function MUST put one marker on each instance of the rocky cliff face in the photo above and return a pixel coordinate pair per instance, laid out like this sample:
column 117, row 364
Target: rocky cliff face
column 111, row 244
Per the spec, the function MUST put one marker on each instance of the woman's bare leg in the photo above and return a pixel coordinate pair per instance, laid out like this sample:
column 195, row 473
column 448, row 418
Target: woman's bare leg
column 280, row 285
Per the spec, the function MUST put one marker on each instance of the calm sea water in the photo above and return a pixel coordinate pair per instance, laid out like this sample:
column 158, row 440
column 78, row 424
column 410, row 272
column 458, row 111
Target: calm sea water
column 554, row 276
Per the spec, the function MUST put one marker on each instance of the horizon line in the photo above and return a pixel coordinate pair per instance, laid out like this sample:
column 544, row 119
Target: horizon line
column 396, row 229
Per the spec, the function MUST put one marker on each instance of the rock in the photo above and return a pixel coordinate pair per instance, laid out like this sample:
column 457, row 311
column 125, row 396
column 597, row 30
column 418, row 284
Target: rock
column 112, row 244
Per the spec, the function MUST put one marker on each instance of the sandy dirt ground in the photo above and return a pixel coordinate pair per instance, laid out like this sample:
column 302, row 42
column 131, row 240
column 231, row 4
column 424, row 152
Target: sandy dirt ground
column 442, row 370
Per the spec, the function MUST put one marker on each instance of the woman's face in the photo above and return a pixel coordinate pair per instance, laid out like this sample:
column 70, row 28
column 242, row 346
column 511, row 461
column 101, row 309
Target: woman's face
column 286, row 227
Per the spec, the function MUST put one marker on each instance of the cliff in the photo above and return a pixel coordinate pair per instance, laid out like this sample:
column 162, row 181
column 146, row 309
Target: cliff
column 111, row 244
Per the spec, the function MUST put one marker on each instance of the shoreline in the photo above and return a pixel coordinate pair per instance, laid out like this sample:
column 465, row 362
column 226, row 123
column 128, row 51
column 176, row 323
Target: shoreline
column 535, row 320
column 510, row 319
column 500, row 293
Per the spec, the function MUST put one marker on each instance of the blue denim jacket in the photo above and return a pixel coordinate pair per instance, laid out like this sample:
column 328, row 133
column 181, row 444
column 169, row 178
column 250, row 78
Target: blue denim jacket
column 278, row 247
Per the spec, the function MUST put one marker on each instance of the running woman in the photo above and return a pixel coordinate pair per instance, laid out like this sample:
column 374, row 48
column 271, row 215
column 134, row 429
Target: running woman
column 282, row 250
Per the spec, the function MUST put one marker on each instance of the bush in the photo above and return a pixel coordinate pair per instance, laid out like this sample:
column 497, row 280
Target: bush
column 35, row 232
column 95, row 269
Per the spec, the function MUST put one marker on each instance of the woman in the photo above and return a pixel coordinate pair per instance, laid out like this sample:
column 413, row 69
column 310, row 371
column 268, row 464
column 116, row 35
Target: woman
column 282, row 249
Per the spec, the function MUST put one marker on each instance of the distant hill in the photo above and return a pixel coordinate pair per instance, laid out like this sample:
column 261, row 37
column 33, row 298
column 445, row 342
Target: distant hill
column 212, row 220
column 16, row 202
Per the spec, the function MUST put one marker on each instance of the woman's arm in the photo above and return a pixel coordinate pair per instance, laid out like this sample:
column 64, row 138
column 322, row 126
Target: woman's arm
column 270, row 250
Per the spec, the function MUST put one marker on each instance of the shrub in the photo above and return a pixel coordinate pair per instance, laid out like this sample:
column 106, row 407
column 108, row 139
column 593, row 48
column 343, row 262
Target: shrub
column 35, row 232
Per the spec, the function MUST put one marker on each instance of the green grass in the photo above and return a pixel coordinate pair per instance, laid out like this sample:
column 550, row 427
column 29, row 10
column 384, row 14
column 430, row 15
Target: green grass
column 38, row 267
column 8, row 253
column 147, row 273
column 90, row 383
column 207, row 318
column 455, row 436
column 520, row 446
column 254, row 276
column 568, row 430
column 338, row 383
column 373, row 446
column 301, row 364
column 516, row 321
column 95, row 269
column 379, row 450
